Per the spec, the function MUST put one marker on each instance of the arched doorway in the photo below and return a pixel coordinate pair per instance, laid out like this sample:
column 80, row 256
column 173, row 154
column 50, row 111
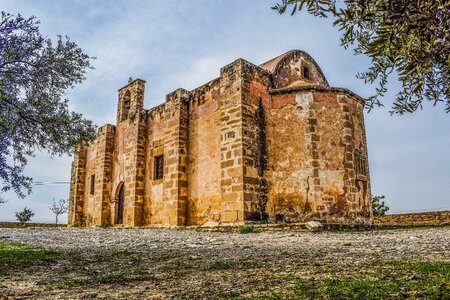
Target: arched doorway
column 120, row 205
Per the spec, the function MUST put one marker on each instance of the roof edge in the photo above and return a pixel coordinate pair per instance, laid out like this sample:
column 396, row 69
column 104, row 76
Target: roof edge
column 131, row 82
column 318, row 89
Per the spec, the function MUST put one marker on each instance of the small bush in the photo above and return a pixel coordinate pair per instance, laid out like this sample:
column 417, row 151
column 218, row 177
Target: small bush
column 24, row 216
column 379, row 208
column 106, row 225
column 248, row 229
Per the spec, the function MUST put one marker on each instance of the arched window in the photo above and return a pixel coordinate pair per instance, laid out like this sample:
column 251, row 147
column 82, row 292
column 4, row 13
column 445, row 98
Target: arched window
column 125, row 107
column 120, row 204
column 306, row 72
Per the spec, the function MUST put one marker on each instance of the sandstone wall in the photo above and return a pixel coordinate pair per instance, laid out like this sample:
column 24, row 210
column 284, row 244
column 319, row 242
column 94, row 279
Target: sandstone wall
column 204, row 155
column 357, row 185
column 98, row 166
column 119, row 165
column 116, row 156
column 288, row 173
column 153, row 202
column 231, row 143
column 423, row 218
column 129, row 155
column 175, row 189
column 77, row 188
column 255, row 101
column 91, row 212
column 312, row 137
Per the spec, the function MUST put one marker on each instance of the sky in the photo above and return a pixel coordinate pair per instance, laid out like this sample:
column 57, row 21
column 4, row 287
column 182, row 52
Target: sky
column 184, row 43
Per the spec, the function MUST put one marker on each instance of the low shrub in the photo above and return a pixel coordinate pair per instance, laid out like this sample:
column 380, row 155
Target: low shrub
column 248, row 229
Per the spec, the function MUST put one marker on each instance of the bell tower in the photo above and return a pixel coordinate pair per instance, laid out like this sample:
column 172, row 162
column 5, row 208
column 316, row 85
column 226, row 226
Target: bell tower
column 131, row 100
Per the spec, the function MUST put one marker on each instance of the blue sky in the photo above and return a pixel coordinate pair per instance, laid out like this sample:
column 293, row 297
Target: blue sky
column 173, row 44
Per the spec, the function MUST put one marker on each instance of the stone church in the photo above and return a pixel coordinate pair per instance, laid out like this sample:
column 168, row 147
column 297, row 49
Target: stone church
column 267, row 143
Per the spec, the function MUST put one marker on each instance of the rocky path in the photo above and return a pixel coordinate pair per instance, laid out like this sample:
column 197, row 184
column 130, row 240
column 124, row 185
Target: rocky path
column 189, row 264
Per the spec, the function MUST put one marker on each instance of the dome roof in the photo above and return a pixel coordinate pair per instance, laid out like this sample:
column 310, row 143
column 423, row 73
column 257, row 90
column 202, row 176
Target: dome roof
column 295, row 68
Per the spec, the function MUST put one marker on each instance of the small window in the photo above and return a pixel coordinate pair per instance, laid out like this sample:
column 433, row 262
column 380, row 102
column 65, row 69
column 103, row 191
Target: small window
column 92, row 185
column 159, row 167
column 360, row 165
column 306, row 73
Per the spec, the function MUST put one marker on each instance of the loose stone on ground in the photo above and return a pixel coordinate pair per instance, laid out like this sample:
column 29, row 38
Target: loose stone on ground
column 162, row 263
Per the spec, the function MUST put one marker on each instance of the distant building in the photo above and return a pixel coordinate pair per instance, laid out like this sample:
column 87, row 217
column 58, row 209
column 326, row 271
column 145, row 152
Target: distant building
column 260, row 143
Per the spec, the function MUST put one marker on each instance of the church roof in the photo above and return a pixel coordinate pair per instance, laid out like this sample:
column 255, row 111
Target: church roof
column 272, row 64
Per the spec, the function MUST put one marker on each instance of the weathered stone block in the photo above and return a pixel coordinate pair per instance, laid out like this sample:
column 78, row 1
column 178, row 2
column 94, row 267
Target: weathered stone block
column 313, row 226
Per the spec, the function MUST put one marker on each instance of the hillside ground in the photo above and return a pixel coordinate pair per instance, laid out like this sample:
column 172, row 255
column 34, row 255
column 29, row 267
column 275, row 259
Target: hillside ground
column 112, row 263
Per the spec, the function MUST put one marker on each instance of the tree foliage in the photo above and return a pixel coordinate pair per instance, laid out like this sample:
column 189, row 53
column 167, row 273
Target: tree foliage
column 25, row 215
column 411, row 38
column 59, row 208
column 379, row 208
column 35, row 74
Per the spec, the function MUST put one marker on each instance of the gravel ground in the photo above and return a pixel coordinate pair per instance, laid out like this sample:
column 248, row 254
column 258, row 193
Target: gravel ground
column 199, row 264
column 420, row 243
